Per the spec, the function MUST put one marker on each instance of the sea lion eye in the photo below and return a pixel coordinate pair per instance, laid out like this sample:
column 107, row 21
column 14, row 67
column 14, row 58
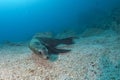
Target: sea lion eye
column 47, row 57
column 40, row 52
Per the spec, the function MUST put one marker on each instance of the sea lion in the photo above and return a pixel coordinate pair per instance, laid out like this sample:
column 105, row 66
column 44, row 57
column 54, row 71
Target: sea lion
column 45, row 46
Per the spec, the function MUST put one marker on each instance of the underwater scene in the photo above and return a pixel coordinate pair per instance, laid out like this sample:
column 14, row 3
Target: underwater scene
column 59, row 39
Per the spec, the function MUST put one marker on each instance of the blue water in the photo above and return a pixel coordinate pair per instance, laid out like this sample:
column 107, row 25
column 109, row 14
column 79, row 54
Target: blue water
column 21, row 19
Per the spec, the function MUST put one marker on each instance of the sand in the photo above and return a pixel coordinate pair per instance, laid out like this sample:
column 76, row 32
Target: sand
column 91, row 58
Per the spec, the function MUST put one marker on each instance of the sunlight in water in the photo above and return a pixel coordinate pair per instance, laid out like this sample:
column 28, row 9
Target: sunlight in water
column 13, row 3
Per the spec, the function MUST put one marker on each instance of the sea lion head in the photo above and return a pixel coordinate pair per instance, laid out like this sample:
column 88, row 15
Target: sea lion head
column 38, row 48
column 43, row 51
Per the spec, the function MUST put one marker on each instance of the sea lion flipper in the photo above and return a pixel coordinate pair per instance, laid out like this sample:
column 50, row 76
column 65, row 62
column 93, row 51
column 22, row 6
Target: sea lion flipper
column 54, row 42
column 67, row 41
column 61, row 50
column 57, row 51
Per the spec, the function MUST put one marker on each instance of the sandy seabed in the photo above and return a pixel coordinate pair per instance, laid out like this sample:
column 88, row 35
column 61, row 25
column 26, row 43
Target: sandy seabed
column 91, row 58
